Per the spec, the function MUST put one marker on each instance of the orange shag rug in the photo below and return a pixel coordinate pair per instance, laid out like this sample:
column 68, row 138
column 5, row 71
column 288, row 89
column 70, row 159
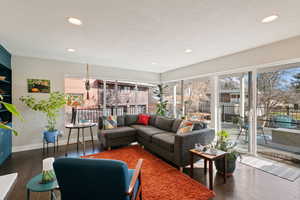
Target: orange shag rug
column 159, row 179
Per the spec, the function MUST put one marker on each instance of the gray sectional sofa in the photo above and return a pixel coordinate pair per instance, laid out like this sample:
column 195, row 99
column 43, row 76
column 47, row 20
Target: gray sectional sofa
column 159, row 137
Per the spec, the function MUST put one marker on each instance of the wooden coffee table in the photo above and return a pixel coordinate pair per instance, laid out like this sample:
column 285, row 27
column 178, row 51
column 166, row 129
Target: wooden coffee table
column 210, row 159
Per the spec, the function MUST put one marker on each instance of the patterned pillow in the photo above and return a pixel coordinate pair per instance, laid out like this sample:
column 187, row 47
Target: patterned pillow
column 110, row 122
column 185, row 127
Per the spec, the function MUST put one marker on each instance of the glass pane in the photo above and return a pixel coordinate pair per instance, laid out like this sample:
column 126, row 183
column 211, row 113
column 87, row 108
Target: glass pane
column 173, row 95
column 146, row 103
column 152, row 101
column 233, row 108
column 77, row 97
column 278, row 113
column 197, row 96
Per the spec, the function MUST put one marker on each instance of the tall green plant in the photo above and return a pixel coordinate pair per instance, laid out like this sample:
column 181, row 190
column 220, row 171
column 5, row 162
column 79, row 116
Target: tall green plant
column 161, row 106
column 225, row 144
column 13, row 110
column 50, row 107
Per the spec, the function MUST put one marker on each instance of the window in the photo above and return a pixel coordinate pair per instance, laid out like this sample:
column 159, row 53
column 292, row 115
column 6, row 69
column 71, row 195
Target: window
column 108, row 97
column 197, row 99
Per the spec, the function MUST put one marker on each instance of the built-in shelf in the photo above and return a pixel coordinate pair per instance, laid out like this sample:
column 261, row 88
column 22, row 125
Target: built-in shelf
column 5, row 115
column 4, row 81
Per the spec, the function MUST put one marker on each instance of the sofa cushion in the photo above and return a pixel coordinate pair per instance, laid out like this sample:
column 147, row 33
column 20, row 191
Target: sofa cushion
column 121, row 121
column 146, row 132
column 199, row 126
column 143, row 119
column 164, row 140
column 152, row 120
column 164, row 123
column 185, row 127
column 131, row 119
column 124, row 131
column 176, row 125
column 110, row 122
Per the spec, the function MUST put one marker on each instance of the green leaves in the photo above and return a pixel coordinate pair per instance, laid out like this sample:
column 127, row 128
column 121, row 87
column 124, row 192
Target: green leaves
column 224, row 144
column 11, row 108
column 161, row 106
column 8, row 128
column 48, row 106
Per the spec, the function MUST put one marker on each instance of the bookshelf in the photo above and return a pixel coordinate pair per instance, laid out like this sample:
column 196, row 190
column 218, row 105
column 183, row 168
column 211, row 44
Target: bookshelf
column 6, row 93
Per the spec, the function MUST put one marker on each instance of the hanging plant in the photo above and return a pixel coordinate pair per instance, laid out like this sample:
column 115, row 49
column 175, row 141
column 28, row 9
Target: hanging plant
column 87, row 82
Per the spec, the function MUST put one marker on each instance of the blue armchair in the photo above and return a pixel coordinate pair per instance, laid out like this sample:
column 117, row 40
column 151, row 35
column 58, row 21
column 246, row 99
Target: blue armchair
column 88, row 179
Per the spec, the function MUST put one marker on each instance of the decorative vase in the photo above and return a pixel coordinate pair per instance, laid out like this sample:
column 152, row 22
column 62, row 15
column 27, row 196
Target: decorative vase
column 50, row 136
column 48, row 174
column 230, row 166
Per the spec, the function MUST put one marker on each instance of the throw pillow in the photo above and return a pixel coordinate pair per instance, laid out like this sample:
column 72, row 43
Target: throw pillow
column 185, row 127
column 143, row 119
column 110, row 122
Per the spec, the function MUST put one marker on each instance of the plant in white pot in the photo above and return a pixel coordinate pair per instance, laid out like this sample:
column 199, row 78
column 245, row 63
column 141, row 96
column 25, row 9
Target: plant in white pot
column 50, row 107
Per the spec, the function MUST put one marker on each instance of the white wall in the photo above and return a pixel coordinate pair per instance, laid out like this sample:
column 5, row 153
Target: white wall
column 24, row 68
column 282, row 52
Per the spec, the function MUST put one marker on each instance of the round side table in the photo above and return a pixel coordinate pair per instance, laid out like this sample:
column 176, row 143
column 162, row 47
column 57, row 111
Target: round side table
column 79, row 126
column 34, row 185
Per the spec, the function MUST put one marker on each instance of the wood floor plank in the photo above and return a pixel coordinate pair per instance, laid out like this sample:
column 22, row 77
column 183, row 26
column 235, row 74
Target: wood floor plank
column 247, row 183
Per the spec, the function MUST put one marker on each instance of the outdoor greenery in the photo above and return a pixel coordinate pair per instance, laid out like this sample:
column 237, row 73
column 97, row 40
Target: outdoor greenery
column 12, row 109
column 225, row 144
column 161, row 106
column 50, row 107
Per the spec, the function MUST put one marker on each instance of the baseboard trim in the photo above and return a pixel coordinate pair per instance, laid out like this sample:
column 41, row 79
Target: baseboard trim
column 40, row 145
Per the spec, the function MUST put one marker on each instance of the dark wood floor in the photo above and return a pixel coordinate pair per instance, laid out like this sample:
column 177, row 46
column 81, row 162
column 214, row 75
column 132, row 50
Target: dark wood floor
column 247, row 183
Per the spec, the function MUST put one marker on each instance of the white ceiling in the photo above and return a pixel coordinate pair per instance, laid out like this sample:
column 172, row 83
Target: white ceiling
column 132, row 34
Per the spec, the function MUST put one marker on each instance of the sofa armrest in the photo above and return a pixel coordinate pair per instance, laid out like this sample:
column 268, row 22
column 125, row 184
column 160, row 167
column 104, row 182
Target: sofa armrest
column 187, row 141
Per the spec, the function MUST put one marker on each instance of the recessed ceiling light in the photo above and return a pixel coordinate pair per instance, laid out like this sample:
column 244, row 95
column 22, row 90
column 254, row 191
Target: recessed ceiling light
column 269, row 19
column 153, row 63
column 188, row 50
column 74, row 21
column 71, row 50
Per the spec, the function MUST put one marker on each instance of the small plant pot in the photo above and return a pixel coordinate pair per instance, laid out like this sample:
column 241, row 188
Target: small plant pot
column 230, row 167
column 50, row 136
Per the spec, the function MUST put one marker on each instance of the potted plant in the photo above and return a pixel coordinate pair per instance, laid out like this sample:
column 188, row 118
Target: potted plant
column 225, row 144
column 161, row 106
column 50, row 108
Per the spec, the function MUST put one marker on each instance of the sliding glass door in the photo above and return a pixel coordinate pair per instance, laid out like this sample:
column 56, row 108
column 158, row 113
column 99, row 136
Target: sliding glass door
column 234, row 108
column 278, row 112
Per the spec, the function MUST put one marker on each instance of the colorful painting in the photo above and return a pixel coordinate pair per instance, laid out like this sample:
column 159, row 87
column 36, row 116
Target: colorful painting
column 74, row 100
column 38, row 86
